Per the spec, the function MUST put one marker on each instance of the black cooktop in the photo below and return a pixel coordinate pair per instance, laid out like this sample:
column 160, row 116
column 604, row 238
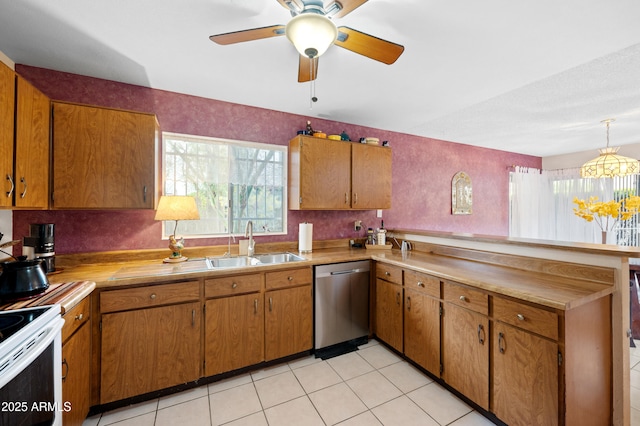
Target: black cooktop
column 12, row 321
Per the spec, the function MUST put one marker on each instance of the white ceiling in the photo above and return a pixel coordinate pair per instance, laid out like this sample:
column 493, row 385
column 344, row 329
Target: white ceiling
column 533, row 77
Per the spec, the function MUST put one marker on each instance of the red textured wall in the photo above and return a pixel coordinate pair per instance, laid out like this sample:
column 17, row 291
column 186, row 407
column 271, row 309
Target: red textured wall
column 422, row 170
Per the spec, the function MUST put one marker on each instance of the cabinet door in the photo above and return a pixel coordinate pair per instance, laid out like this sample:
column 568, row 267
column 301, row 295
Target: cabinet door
column 288, row 322
column 389, row 313
column 7, row 120
column 32, row 147
column 525, row 377
column 465, row 353
column 76, row 383
column 422, row 330
column 103, row 158
column 370, row 177
column 234, row 333
column 149, row 349
column 320, row 174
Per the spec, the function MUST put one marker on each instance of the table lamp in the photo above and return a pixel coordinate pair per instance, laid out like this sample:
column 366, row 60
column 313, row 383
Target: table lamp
column 176, row 207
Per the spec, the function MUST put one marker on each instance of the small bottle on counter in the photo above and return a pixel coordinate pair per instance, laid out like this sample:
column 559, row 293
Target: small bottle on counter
column 382, row 234
column 370, row 237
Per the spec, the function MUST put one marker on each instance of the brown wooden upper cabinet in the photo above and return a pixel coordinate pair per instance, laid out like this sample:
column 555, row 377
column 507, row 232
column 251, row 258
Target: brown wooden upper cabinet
column 24, row 143
column 103, row 158
column 326, row 174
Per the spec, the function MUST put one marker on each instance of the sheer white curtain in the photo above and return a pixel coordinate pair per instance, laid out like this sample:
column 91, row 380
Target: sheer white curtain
column 541, row 204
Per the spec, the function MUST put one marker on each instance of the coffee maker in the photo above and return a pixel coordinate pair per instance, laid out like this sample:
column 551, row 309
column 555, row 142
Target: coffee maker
column 40, row 245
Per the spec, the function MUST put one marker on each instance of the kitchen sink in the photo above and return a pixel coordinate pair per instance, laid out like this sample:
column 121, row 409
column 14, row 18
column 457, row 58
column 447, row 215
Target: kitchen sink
column 259, row 259
column 232, row 262
column 278, row 258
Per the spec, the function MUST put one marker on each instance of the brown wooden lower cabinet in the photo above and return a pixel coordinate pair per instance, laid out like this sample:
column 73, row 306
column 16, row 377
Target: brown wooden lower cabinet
column 525, row 377
column 144, row 350
column 527, row 364
column 465, row 353
column 234, row 333
column 76, row 364
column 288, row 321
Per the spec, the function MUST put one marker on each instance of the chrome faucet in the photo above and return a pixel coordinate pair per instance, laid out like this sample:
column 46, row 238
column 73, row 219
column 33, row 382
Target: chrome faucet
column 248, row 232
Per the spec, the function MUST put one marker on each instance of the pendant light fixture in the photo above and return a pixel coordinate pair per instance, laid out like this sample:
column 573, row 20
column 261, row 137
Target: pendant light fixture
column 608, row 163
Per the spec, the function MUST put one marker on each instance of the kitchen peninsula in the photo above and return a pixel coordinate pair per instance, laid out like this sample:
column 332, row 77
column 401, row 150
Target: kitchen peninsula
column 577, row 288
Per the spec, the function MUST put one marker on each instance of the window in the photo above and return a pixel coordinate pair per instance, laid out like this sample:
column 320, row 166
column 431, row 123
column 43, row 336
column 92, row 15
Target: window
column 233, row 182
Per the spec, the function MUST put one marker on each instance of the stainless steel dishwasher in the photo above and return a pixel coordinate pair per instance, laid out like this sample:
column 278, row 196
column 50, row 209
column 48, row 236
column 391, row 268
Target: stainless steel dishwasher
column 341, row 297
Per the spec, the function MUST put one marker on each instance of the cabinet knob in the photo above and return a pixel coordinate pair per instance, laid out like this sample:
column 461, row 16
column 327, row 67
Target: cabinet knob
column 420, row 284
column 520, row 317
column 234, row 285
column 153, row 296
column 290, row 278
column 79, row 317
column 464, row 298
column 387, row 273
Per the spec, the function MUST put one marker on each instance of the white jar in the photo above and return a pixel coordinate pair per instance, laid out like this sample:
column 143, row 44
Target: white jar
column 382, row 234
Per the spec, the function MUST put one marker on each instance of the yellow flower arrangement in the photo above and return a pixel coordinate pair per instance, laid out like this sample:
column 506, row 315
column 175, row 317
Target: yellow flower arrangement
column 607, row 213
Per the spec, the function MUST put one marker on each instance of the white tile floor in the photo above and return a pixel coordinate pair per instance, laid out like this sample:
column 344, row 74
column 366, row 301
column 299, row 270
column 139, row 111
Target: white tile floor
column 371, row 386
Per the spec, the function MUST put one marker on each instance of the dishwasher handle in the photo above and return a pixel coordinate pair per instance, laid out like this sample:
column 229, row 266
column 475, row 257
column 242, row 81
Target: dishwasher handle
column 350, row 271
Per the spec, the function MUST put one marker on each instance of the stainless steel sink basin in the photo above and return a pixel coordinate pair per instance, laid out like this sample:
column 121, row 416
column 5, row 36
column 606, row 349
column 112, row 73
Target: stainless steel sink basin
column 259, row 259
column 232, row 262
column 278, row 258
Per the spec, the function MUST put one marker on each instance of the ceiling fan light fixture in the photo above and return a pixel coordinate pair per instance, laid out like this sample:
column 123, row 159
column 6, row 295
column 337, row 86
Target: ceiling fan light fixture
column 311, row 33
column 609, row 163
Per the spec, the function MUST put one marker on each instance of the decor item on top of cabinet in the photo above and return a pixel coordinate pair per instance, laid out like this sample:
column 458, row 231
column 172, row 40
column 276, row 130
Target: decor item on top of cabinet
column 176, row 207
column 607, row 214
column 461, row 194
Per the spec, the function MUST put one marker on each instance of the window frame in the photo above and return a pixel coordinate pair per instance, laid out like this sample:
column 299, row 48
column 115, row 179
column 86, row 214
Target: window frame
column 167, row 226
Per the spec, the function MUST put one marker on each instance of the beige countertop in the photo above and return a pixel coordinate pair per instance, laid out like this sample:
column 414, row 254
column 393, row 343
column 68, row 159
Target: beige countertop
column 545, row 289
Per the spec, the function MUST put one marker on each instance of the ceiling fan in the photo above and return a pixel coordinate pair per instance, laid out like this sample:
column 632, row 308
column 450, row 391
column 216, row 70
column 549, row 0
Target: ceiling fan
column 312, row 32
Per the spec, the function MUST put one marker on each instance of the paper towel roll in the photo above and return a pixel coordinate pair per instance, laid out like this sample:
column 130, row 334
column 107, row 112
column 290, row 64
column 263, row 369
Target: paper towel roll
column 305, row 237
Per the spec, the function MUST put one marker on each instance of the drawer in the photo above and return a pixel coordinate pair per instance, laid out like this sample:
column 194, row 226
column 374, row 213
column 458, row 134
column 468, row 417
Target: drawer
column 389, row 273
column 422, row 282
column 238, row 284
column 288, row 278
column 527, row 317
column 149, row 296
column 466, row 297
column 75, row 317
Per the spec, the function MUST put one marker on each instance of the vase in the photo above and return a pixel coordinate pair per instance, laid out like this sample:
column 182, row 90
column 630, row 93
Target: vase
column 604, row 237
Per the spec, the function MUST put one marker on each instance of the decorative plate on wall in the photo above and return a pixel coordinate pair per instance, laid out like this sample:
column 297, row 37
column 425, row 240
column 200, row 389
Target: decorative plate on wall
column 461, row 194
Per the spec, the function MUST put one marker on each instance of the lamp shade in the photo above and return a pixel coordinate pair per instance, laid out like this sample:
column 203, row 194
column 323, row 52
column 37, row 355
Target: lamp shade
column 177, row 207
column 609, row 164
column 311, row 34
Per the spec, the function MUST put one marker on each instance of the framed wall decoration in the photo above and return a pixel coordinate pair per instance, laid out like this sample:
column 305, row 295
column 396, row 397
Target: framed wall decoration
column 461, row 194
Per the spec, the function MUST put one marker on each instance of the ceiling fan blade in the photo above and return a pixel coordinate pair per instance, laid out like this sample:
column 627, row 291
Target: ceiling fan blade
column 307, row 69
column 293, row 5
column 345, row 7
column 248, row 35
column 369, row 46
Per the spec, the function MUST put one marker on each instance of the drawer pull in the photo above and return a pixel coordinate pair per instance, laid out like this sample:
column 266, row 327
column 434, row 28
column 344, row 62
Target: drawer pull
column 420, row 284
column 481, row 335
column 501, row 343
column 464, row 298
column 234, row 285
column 520, row 317
column 290, row 278
column 65, row 364
column 79, row 317
column 153, row 296
column 387, row 273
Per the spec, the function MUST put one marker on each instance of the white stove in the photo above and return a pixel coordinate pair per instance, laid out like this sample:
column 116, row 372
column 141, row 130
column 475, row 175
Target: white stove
column 31, row 366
